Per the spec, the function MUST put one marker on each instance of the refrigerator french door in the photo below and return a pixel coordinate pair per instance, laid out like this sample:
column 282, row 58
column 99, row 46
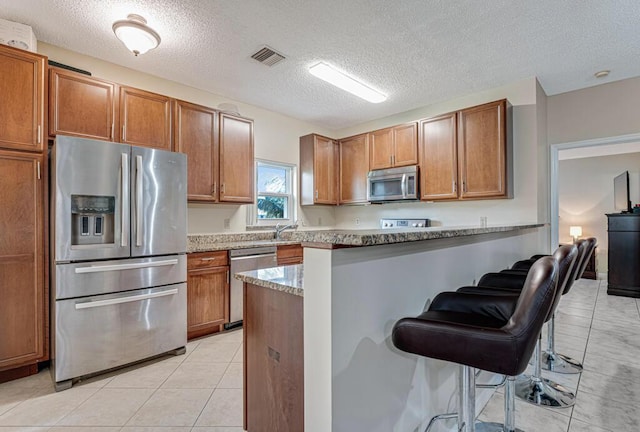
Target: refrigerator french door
column 119, row 263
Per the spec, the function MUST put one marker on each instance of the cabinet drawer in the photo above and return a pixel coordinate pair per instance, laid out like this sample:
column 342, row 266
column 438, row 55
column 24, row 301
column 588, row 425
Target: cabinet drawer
column 289, row 251
column 624, row 223
column 207, row 259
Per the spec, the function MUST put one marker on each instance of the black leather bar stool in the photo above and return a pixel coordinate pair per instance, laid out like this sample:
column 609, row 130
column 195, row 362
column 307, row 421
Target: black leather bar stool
column 480, row 336
column 551, row 360
column 535, row 389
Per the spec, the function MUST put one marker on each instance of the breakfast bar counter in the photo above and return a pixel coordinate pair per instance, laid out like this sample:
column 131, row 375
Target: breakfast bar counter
column 355, row 285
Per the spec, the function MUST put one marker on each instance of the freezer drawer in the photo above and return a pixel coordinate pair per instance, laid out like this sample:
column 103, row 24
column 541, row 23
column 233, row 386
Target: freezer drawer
column 102, row 332
column 103, row 277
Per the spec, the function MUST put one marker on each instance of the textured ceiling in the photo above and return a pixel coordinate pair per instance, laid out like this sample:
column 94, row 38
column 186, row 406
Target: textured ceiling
column 418, row 52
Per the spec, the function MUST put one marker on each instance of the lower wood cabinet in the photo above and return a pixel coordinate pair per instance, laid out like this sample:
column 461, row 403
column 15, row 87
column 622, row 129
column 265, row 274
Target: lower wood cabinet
column 273, row 360
column 207, row 292
column 24, row 302
column 289, row 254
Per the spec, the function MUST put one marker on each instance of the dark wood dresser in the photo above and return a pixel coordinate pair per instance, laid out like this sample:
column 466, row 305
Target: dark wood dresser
column 591, row 270
column 624, row 254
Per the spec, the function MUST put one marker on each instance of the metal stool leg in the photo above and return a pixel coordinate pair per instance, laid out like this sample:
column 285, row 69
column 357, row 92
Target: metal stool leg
column 552, row 361
column 541, row 391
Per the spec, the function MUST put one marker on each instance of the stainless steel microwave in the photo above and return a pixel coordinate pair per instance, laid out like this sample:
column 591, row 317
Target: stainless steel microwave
column 393, row 184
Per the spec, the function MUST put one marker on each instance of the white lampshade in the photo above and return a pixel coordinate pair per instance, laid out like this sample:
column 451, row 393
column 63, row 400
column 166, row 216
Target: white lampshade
column 135, row 34
column 575, row 231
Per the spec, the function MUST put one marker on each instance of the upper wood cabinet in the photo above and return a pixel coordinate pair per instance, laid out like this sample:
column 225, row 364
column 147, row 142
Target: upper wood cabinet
column 354, row 167
column 145, row 119
column 195, row 134
column 438, row 158
column 236, row 159
column 80, row 105
column 22, row 99
column 24, row 306
column 484, row 151
column 467, row 155
column 394, row 147
column 318, row 170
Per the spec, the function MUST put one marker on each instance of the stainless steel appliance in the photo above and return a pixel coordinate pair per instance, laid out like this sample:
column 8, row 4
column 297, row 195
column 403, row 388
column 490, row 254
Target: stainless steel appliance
column 404, row 223
column 119, row 265
column 393, row 184
column 246, row 260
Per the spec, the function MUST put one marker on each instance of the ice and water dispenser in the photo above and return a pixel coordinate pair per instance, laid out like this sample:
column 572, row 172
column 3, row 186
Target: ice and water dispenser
column 92, row 219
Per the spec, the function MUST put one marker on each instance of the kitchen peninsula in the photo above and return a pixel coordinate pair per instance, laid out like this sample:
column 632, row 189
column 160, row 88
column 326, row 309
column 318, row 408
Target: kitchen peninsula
column 356, row 285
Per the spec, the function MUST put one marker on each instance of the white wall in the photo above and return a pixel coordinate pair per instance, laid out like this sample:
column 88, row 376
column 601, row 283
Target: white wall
column 276, row 135
column 585, row 195
column 530, row 155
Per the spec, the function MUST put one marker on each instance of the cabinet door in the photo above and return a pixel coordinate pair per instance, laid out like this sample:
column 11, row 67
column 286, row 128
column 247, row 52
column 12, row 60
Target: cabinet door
column 145, row 119
column 24, row 306
column 405, row 145
column 22, row 95
column 195, row 130
column 207, row 300
column 381, row 149
column 236, row 160
column 438, row 159
column 482, row 151
column 324, row 171
column 354, row 166
column 80, row 105
column 289, row 254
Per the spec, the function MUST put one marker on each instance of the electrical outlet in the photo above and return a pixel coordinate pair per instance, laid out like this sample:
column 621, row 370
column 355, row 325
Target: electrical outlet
column 227, row 223
column 357, row 221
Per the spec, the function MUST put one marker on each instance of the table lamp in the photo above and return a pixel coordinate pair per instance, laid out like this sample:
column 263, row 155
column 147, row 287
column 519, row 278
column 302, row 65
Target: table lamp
column 575, row 232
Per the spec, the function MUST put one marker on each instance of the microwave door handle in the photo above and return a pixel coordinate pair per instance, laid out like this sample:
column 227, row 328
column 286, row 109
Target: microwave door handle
column 139, row 205
column 403, row 186
column 124, row 198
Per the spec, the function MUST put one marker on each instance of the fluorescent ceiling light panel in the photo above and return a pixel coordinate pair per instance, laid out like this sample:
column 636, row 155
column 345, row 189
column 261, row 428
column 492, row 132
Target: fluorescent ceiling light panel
column 346, row 83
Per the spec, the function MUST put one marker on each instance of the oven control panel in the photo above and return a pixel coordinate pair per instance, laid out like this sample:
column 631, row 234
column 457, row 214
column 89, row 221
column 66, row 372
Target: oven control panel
column 404, row 223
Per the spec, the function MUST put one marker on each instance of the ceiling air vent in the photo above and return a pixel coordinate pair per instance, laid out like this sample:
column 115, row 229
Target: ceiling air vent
column 267, row 56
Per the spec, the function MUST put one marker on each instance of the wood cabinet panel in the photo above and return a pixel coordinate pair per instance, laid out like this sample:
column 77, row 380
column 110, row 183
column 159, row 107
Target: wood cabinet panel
column 405, row 145
column 381, row 149
column 318, row 170
column 24, row 305
column 207, row 293
column 236, row 159
column 354, row 167
column 80, row 105
column 289, row 254
column 623, row 276
column 22, row 99
column 482, row 151
column 438, row 158
column 145, row 119
column 273, row 362
column 195, row 134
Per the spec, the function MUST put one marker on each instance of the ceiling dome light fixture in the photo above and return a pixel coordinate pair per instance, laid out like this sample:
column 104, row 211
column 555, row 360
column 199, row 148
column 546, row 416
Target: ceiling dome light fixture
column 136, row 35
column 601, row 74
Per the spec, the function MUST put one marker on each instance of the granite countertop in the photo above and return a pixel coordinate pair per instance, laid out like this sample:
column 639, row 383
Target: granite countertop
column 341, row 238
column 285, row 278
column 337, row 238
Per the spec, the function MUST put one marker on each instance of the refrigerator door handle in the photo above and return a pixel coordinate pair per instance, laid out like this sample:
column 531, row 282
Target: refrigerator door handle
column 127, row 299
column 124, row 199
column 139, row 209
column 120, row 267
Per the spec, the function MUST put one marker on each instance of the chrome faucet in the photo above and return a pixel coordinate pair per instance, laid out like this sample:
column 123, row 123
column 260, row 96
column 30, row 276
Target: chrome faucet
column 280, row 229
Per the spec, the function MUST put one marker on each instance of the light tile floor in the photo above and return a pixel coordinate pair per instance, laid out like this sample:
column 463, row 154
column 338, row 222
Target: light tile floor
column 202, row 390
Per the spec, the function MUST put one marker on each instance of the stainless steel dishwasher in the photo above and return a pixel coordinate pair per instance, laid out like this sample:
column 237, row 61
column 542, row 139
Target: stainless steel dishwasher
column 245, row 260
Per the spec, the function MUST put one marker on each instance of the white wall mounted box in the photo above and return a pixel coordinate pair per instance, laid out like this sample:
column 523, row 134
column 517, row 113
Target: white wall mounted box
column 17, row 35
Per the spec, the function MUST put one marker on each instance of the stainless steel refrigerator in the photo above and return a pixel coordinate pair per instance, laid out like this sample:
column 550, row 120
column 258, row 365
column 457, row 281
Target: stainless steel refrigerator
column 118, row 229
